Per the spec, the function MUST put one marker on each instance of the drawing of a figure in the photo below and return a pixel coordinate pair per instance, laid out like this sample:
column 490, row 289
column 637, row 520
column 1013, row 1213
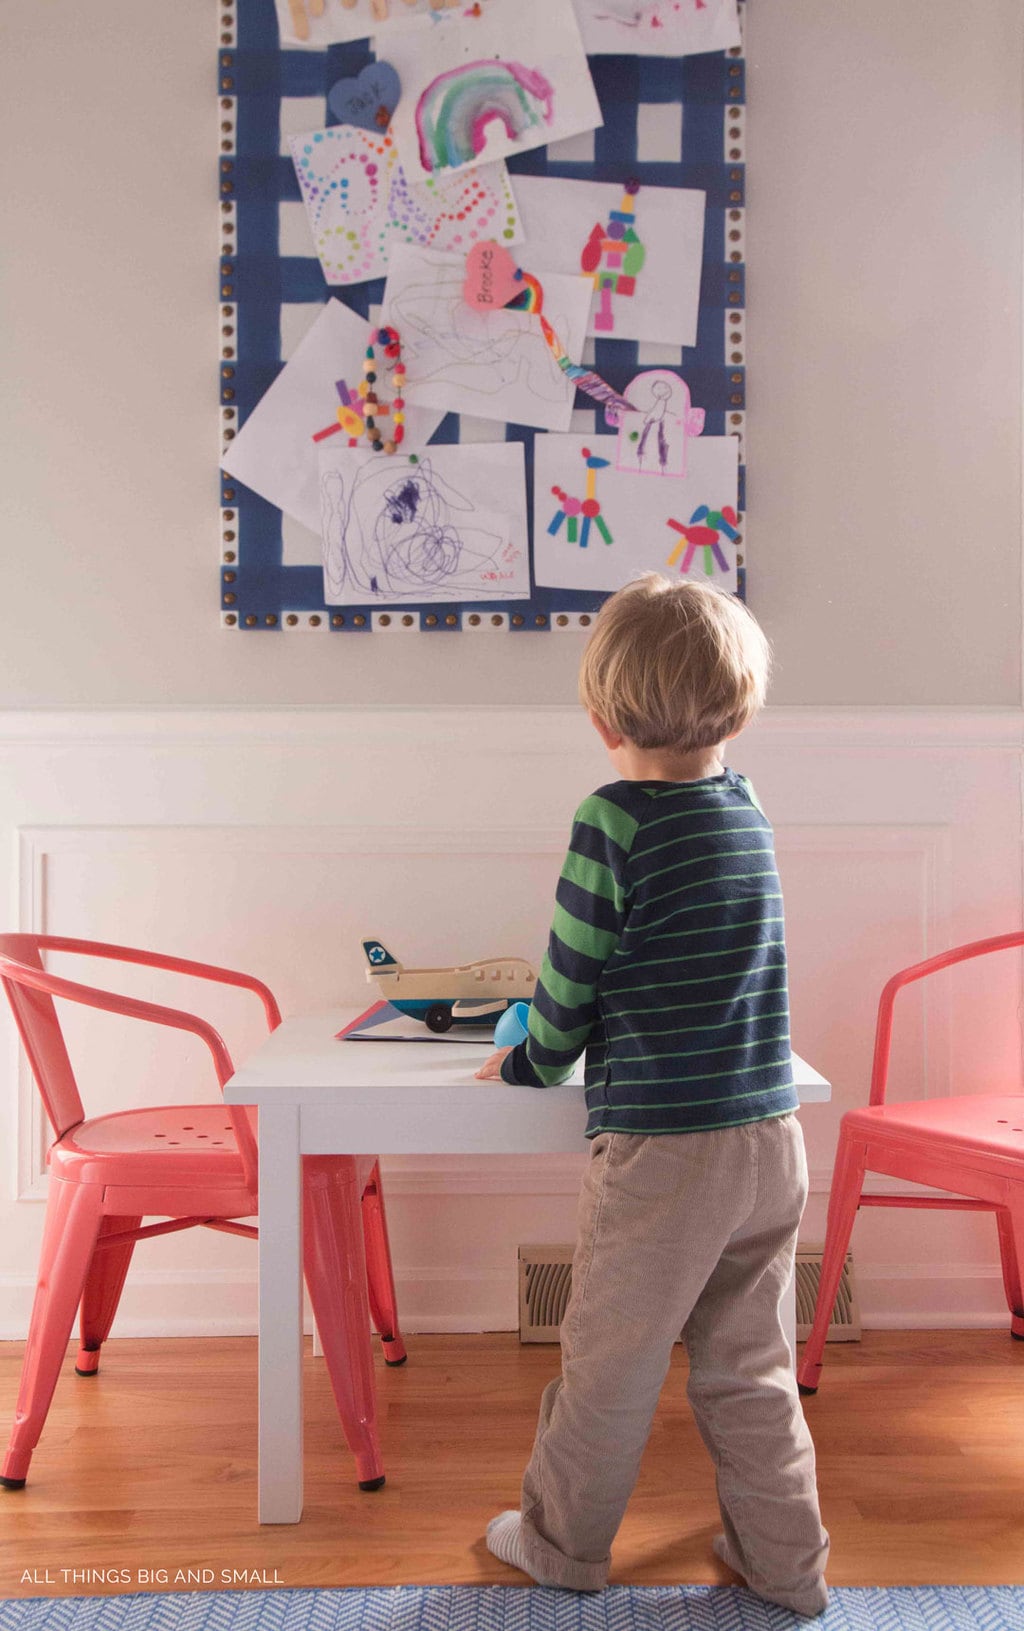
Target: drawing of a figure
column 652, row 439
column 407, row 534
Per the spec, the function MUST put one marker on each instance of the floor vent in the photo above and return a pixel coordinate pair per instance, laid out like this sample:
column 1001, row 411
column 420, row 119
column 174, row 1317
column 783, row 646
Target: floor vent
column 545, row 1281
column 844, row 1325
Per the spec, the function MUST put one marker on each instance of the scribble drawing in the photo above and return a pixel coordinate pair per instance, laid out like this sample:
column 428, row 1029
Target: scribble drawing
column 589, row 507
column 703, row 531
column 484, row 353
column 614, row 256
column 453, row 113
column 409, row 535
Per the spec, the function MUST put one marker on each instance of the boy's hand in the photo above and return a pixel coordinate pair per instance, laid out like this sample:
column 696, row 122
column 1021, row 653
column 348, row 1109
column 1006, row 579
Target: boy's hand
column 490, row 1070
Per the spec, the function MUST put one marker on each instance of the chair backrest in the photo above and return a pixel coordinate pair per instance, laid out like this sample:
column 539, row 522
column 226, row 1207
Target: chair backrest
column 40, row 1032
column 30, row 990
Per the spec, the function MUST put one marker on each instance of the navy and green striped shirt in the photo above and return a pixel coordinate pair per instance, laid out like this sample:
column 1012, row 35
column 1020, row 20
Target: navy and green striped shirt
column 666, row 962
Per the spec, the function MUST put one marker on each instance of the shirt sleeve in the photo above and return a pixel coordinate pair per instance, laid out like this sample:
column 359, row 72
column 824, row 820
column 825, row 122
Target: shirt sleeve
column 591, row 906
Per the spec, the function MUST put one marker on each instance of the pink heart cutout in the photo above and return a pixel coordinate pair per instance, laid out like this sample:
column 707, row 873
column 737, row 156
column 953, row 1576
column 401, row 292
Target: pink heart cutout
column 491, row 280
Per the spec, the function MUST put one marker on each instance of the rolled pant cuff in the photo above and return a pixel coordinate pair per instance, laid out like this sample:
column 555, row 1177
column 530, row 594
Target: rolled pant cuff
column 550, row 1567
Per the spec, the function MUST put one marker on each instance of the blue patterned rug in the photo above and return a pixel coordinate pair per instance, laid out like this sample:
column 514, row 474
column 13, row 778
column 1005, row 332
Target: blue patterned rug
column 509, row 1608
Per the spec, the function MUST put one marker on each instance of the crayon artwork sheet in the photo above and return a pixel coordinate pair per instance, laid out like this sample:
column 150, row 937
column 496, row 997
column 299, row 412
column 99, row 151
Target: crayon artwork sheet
column 515, row 80
column 657, row 28
column 642, row 252
column 274, row 452
column 449, row 526
column 360, row 203
column 313, row 24
column 493, row 364
column 597, row 528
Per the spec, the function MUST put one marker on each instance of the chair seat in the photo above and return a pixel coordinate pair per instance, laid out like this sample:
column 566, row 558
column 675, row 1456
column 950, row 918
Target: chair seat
column 169, row 1145
column 984, row 1124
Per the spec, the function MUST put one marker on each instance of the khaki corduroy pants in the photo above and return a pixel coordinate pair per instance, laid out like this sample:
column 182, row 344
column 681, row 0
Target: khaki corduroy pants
column 691, row 1233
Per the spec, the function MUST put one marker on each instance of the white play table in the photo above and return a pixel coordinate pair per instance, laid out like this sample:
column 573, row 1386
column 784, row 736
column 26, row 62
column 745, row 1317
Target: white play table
column 318, row 1096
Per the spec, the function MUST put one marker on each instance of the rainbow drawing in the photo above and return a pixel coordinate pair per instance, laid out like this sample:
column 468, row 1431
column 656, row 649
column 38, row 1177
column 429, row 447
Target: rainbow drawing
column 454, row 111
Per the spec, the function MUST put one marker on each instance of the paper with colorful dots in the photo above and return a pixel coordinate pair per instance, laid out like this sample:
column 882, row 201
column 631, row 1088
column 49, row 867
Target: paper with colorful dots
column 360, row 203
column 313, row 24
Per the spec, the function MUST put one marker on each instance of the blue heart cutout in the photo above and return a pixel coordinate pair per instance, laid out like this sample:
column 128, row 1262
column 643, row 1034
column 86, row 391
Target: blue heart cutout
column 369, row 100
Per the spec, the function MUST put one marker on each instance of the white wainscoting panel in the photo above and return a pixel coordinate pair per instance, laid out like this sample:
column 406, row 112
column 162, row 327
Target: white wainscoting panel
column 274, row 840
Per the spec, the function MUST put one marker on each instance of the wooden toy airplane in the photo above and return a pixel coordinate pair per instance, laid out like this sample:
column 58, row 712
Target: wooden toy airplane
column 468, row 994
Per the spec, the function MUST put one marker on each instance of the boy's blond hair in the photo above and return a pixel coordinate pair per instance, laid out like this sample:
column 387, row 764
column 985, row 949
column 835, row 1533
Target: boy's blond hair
column 674, row 664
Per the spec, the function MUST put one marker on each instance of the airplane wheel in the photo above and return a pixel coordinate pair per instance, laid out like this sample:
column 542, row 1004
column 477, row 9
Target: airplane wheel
column 438, row 1017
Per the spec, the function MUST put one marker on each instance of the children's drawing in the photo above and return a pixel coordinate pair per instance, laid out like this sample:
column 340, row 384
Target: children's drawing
column 614, row 255
column 589, row 507
column 369, row 100
column 647, row 288
column 412, row 529
column 703, row 531
column 315, row 24
column 275, row 453
column 514, row 79
column 360, row 203
column 455, row 112
column 652, row 440
column 642, row 520
column 658, row 28
column 477, row 360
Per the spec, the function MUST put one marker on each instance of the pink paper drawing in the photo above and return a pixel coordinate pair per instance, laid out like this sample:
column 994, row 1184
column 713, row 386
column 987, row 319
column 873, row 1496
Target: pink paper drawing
column 652, row 439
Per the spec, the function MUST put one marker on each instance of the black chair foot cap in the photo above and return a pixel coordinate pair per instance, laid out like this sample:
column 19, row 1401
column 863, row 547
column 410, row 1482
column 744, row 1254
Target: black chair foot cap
column 1018, row 1336
column 371, row 1483
column 394, row 1363
column 13, row 1483
column 87, row 1372
column 810, row 1391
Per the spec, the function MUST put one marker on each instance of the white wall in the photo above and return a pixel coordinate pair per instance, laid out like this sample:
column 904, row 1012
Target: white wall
column 885, row 519
column 884, row 338
column 273, row 840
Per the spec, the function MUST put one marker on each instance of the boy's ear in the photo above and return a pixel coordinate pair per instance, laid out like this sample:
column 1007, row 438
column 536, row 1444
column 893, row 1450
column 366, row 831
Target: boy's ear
column 611, row 739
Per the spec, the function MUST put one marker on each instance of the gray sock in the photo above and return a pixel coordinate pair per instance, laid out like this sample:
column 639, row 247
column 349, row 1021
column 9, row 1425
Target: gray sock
column 505, row 1539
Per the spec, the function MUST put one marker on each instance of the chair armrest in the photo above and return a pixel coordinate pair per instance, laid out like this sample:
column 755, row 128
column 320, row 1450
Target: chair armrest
column 907, row 976
column 176, row 965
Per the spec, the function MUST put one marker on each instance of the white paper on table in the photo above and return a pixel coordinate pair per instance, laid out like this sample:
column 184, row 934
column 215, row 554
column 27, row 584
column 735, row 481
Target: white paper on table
column 494, row 364
column 517, row 79
column 378, row 17
column 360, row 203
column 658, row 28
column 637, row 510
column 274, row 452
column 449, row 526
column 558, row 218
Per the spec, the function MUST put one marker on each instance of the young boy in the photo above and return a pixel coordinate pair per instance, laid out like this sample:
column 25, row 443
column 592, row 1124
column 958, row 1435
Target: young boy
column 667, row 963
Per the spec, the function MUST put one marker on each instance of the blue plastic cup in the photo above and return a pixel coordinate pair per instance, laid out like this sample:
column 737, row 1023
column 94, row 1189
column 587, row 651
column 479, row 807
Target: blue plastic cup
column 511, row 1028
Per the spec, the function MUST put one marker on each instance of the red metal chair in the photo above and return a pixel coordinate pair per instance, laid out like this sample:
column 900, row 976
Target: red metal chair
column 194, row 1165
column 972, row 1146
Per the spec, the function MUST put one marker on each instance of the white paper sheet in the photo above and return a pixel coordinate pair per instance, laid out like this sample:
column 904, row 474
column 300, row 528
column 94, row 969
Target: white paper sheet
column 360, row 203
column 450, row 526
column 516, row 79
column 274, row 452
column 638, row 511
column 492, row 364
column 359, row 18
column 658, row 28
column 558, row 218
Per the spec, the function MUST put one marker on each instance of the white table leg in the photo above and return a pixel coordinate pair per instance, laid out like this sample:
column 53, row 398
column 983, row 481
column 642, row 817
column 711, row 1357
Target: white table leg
column 788, row 1311
column 280, row 1316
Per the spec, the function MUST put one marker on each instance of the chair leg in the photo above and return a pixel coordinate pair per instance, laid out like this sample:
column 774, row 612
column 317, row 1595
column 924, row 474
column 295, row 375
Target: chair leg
column 380, row 1279
column 73, row 1218
column 335, row 1265
column 1011, row 1250
column 103, row 1286
column 844, row 1198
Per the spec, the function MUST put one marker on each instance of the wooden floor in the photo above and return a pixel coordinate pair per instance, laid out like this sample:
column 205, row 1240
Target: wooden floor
column 152, row 1466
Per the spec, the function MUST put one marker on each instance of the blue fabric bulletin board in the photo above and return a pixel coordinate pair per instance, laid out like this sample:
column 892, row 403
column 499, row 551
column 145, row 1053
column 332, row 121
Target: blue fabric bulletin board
column 668, row 122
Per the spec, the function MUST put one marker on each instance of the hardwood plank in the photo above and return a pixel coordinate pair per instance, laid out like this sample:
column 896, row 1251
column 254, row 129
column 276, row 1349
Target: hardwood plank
column 152, row 1466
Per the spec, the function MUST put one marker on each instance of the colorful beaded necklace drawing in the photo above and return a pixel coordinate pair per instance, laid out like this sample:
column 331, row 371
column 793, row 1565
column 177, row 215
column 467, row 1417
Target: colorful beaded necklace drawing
column 373, row 408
